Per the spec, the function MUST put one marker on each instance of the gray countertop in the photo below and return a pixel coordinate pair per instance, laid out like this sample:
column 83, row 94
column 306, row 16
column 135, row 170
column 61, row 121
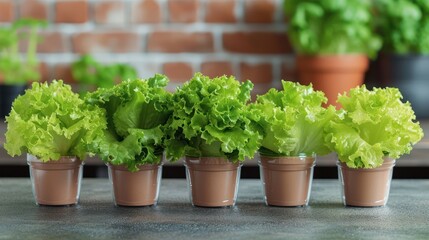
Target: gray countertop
column 406, row 215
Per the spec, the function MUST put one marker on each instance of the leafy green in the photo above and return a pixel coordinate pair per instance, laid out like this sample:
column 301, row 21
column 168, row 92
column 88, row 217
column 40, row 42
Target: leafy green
column 374, row 124
column 292, row 120
column 50, row 121
column 404, row 25
column 211, row 119
column 331, row 27
column 13, row 69
column 137, row 111
column 89, row 73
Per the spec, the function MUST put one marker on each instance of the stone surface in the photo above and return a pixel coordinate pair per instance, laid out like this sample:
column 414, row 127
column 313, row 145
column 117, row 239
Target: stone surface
column 404, row 217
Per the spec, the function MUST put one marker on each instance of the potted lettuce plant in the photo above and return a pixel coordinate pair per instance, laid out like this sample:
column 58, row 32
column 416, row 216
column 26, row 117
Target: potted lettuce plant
column 16, row 71
column 132, row 145
column 54, row 126
column 292, row 121
column 404, row 27
column 210, row 126
column 373, row 129
column 333, row 40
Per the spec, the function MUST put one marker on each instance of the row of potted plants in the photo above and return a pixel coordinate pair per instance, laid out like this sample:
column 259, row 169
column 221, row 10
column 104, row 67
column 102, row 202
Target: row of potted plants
column 210, row 123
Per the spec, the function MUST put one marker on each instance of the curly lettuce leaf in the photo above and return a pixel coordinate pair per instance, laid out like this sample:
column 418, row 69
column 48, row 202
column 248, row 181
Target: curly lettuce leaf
column 137, row 111
column 211, row 119
column 50, row 121
column 374, row 124
column 292, row 120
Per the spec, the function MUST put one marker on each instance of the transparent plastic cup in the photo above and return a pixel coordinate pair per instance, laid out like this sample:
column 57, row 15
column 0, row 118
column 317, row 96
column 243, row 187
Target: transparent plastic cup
column 287, row 181
column 56, row 182
column 212, row 182
column 366, row 187
column 135, row 189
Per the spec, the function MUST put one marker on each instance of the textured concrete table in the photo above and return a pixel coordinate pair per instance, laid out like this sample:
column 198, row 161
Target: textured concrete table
column 405, row 217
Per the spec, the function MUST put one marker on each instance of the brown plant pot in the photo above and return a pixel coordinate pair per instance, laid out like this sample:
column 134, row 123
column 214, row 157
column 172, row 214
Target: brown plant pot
column 135, row 188
column 56, row 182
column 366, row 187
column 287, row 180
column 333, row 74
column 212, row 181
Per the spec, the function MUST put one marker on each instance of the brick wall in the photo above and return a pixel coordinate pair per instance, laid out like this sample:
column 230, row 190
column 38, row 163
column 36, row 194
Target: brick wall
column 245, row 38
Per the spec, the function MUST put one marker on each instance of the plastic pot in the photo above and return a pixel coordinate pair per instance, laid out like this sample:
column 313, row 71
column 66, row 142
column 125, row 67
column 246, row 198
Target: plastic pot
column 212, row 181
column 56, row 182
column 287, row 180
column 366, row 187
column 135, row 189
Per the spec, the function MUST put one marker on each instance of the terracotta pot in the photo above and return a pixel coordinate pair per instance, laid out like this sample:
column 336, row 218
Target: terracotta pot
column 212, row 181
column 366, row 187
column 56, row 182
column 287, row 180
column 332, row 74
column 135, row 188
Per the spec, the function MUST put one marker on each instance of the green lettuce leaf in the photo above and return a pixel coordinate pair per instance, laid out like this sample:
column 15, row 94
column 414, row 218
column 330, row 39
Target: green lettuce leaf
column 137, row 111
column 211, row 119
column 404, row 25
column 374, row 124
column 292, row 120
column 50, row 121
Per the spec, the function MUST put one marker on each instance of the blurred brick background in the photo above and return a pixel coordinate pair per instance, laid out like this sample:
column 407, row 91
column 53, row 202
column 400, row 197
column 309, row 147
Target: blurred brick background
column 246, row 38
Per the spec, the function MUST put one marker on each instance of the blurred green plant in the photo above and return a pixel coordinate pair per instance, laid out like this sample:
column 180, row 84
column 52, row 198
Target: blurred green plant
column 90, row 73
column 404, row 25
column 326, row 27
column 15, row 69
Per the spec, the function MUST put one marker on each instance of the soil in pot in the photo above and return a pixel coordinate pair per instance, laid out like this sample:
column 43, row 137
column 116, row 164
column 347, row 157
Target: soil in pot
column 287, row 180
column 135, row 189
column 366, row 187
column 332, row 74
column 56, row 182
column 212, row 181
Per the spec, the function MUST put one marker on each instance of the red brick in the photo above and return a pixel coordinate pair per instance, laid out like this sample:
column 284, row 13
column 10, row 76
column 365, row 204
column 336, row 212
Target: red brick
column 71, row 11
column 176, row 42
column 257, row 73
column 33, row 9
column 111, row 42
column 217, row 69
column 178, row 71
column 220, row 11
column 183, row 11
column 63, row 72
column 44, row 71
column 6, row 11
column 51, row 42
column 146, row 11
column 259, row 11
column 257, row 42
column 289, row 72
column 110, row 12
